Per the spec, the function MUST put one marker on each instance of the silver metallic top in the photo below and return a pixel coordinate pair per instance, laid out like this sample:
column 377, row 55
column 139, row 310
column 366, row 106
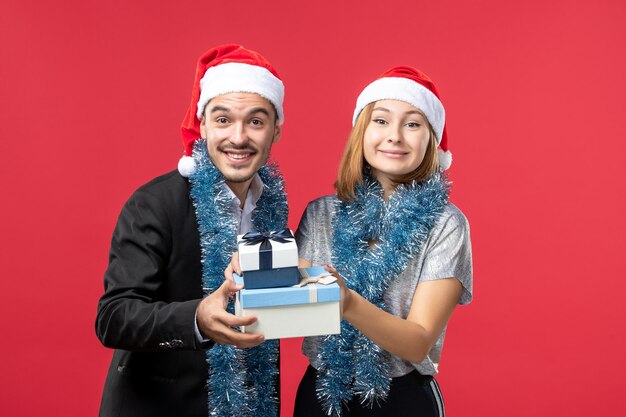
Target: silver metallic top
column 446, row 253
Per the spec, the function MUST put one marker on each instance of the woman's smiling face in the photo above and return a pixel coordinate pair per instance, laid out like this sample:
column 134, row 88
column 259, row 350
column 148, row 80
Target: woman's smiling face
column 395, row 140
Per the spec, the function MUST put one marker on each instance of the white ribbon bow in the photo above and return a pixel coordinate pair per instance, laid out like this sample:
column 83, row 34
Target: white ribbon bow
column 311, row 282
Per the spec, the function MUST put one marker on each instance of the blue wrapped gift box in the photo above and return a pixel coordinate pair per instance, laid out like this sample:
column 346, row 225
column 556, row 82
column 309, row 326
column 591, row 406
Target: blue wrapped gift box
column 271, row 278
column 310, row 310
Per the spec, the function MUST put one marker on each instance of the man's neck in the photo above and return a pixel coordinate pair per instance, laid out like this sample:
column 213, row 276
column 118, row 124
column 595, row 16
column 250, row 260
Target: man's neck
column 240, row 189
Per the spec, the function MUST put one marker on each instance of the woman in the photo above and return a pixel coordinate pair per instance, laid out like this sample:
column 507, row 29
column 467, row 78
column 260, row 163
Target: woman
column 402, row 256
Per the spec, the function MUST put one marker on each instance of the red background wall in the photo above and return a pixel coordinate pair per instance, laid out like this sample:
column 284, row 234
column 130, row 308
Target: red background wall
column 92, row 96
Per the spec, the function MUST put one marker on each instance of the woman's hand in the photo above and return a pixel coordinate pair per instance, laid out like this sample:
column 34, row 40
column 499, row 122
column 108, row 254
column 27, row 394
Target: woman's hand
column 347, row 294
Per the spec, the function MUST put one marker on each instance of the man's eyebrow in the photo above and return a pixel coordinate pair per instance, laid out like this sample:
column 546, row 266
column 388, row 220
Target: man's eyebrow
column 259, row 110
column 255, row 110
column 219, row 108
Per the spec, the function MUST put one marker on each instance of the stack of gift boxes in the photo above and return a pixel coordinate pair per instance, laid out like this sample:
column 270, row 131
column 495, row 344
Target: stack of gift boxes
column 288, row 301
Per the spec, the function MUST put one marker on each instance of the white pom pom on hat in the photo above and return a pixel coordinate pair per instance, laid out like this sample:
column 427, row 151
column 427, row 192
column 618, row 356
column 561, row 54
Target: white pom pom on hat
column 186, row 166
column 221, row 70
column 445, row 159
column 416, row 88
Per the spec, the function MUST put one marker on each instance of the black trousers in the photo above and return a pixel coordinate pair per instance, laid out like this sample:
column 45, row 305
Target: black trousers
column 410, row 395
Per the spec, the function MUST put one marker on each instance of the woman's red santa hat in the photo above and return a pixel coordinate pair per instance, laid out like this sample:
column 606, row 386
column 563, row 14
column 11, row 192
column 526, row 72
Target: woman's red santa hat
column 222, row 70
column 416, row 88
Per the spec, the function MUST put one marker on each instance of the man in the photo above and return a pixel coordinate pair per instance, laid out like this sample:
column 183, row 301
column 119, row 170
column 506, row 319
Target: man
column 164, row 306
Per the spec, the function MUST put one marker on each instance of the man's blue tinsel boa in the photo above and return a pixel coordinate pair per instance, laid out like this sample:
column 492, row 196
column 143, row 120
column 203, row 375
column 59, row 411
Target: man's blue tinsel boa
column 241, row 381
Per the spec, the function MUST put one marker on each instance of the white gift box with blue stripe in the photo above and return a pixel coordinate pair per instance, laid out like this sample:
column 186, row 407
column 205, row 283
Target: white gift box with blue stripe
column 277, row 249
column 268, row 259
column 309, row 310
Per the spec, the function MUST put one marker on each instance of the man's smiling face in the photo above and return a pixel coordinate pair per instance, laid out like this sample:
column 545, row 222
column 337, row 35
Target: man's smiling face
column 239, row 129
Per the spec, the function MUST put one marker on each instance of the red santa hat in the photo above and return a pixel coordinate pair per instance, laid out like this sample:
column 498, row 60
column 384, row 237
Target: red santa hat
column 416, row 88
column 222, row 70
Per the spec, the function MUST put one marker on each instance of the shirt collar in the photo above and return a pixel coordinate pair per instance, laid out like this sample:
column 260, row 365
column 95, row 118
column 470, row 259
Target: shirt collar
column 253, row 195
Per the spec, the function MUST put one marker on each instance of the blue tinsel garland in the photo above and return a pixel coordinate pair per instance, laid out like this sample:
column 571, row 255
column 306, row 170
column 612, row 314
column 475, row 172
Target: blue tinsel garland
column 241, row 381
column 351, row 364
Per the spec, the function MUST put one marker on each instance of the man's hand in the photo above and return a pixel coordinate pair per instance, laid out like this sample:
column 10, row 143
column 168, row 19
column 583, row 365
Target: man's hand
column 233, row 266
column 215, row 323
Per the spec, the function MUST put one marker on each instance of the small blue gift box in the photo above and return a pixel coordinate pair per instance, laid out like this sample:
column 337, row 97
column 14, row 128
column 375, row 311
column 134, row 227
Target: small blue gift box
column 271, row 278
column 309, row 310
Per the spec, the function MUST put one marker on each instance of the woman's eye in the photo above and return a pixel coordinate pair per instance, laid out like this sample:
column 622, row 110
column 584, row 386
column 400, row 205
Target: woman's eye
column 413, row 125
column 379, row 121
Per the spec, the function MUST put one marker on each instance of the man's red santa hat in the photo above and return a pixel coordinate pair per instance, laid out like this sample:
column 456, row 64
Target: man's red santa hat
column 416, row 88
column 222, row 70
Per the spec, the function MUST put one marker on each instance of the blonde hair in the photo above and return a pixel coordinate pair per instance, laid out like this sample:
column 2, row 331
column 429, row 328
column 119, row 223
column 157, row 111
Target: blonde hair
column 353, row 163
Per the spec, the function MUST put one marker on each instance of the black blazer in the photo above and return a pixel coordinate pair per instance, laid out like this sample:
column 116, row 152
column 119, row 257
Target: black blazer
column 152, row 288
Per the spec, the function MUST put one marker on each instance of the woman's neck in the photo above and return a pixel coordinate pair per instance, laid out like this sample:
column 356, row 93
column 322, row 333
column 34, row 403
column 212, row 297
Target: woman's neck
column 389, row 186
